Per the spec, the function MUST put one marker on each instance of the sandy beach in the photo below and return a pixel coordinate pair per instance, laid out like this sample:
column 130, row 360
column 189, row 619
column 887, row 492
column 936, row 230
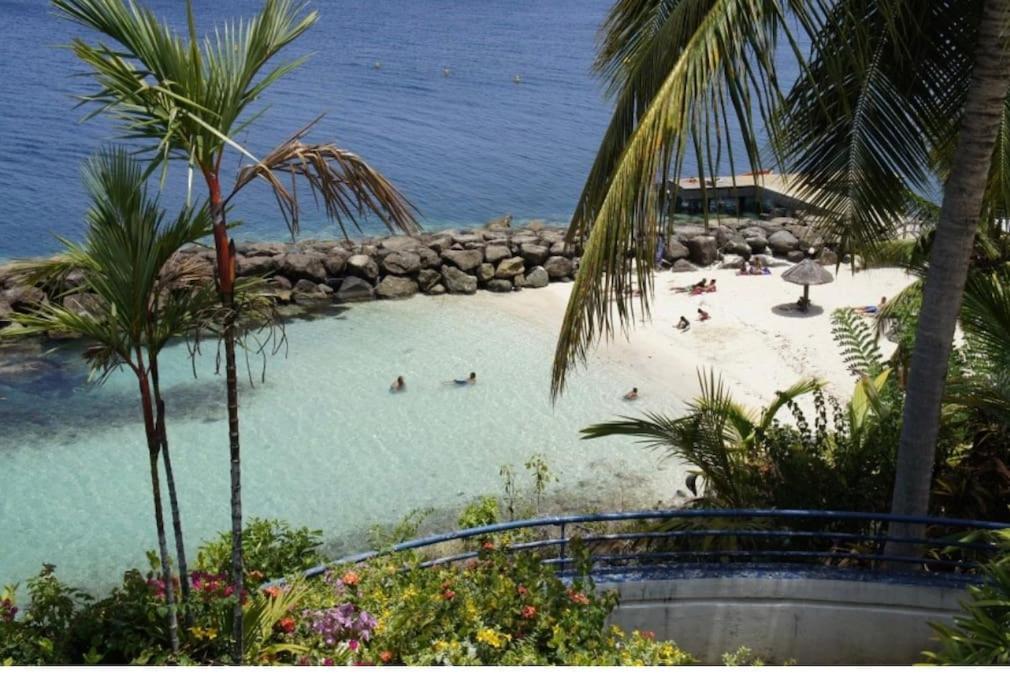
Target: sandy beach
column 756, row 346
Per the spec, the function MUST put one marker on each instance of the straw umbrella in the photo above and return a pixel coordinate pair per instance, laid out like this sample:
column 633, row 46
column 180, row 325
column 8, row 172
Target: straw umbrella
column 807, row 272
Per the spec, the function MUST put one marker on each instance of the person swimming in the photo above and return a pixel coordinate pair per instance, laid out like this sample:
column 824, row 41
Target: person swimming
column 472, row 379
column 632, row 395
column 398, row 385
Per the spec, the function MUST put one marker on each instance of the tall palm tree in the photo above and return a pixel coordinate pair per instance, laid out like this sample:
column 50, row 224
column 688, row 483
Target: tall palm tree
column 139, row 295
column 891, row 95
column 190, row 98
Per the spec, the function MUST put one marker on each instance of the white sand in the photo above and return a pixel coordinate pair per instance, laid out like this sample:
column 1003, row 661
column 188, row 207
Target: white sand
column 755, row 346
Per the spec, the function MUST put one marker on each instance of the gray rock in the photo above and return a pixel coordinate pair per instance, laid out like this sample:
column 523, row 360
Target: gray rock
column 828, row 258
column 782, row 242
column 509, row 268
column 519, row 280
column 732, row 261
column 704, row 249
column 306, row 287
column 281, row 282
column 463, row 259
column 500, row 286
column 500, row 222
column 493, row 253
column 262, row 248
column 723, row 235
column 796, row 256
column 254, row 265
column 757, row 244
column 83, row 303
column 675, row 250
column 335, row 262
column 458, row 282
column 753, row 231
column 737, row 246
column 429, row 257
column 468, row 239
column 534, row 254
column 354, row 289
column 396, row 287
column 400, row 243
column 25, row 298
column 537, row 277
column 437, row 289
column 686, row 232
column 551, row 237
column 559, row 267
column 683, row 266
column 307, row 293
column 521, row 238
column 440, row 242
column 427, row 279
column 401, row 263
column 562, row 249
column 296, row 266
column 6, row 311
column 485, row 272
column 363, row 266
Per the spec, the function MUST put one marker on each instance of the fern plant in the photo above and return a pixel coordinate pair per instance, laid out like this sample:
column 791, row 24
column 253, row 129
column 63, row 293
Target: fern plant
column 857, row 343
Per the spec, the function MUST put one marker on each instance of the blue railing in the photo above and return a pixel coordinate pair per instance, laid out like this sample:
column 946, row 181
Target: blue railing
column 953, row 547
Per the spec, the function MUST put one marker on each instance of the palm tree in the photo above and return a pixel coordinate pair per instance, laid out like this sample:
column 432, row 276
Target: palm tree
column 892, row 94
column 139, row 295
column 189, row 98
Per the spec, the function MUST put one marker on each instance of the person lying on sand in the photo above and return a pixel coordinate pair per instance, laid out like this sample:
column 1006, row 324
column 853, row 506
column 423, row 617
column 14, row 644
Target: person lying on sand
column 398, row 385
column 632, row 395
column 711, row 287
column 683, row 324
column 699, row 286
column 870, row 310
column 472, row 379
column 703, row 315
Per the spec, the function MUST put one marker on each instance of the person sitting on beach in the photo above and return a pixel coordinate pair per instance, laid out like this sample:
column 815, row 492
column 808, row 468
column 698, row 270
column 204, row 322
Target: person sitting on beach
column 710, row 288
column 472, row 379
column 632, row 395
column 703, row 315
column 743, row 269
column 700, row 287
column 398, row 385
column 684, row 324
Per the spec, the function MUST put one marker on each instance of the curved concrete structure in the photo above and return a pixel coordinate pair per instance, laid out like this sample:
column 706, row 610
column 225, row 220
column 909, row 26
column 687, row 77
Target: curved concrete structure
column 810, row 615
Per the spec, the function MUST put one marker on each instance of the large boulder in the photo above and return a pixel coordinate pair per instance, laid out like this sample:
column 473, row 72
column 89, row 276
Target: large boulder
column 400, row 243
column 753, row 231
column 440, row 242
column 335, row 262
column 782, row 242
column 796, row 256
column 354, row 289
column 561, row 249
column 262, row 248
column 463, row 259
column 297, row 266
column 493, row 253
column 396, row 287
column 485, row 272
column 757, row 244
column 559, row 267
column 25, row 299
column 510, row 267
column 81, row 303
column 704, row 249
column 254, row 265
column 468, row 239
column 738, row 247
column 686, row 232
column 675, row 250
column 458, row 282
column 537, row 277
column 401, row 263
column 534, row 254
column 723, row 235
column 500, row 286
column 733, row 261
column 427, row 279
column 683, row 266
column 437, row 289
column 429, row 257
column 307, row 292
column 363, row 266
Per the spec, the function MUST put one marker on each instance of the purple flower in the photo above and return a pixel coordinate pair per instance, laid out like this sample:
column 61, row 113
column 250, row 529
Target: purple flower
column 343, row 622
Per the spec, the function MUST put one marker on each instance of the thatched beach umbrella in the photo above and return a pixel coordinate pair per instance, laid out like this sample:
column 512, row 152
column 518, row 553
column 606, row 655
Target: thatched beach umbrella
column 807, row 272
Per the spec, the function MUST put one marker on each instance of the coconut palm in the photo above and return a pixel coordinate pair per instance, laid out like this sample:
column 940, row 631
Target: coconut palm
column 134, row 294
column 189, row 98
column 891, row 95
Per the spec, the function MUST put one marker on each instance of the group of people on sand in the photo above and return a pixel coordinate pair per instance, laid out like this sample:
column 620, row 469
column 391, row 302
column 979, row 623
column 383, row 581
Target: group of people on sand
column 753, row 268
column 703, row 286
column 400, row 385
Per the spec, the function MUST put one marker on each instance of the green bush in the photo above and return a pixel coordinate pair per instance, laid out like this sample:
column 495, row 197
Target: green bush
column 481, row 512
column 271, row 549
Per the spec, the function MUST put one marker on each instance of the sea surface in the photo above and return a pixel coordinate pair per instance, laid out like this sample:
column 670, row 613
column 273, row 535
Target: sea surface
column 464, row 148
column 324, row 443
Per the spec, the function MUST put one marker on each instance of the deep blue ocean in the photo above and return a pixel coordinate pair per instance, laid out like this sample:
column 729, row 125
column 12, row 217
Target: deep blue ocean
column 464, row 147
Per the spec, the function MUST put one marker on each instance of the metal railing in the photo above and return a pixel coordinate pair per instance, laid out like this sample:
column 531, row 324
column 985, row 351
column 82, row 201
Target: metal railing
column 953, row 548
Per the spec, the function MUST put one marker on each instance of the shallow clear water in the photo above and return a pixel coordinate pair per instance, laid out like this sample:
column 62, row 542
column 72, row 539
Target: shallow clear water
column 323, row 441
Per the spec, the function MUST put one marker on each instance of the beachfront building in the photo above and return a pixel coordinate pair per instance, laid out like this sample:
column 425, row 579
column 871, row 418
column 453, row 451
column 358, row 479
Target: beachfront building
column 759, row 192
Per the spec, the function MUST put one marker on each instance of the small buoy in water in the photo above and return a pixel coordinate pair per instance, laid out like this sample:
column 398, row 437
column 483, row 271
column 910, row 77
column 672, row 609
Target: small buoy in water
column 377, row 65
column 446, row 71
column 517, row 79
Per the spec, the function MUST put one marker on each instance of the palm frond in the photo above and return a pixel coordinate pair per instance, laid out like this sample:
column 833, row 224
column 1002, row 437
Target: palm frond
column 705, row 63
column 347, row 186
column 857, row 343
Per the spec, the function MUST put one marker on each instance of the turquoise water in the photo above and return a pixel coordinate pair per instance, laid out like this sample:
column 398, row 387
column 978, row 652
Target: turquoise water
column 323, row 441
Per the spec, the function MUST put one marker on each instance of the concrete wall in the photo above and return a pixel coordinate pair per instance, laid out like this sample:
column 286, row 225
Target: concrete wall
column 810, row 617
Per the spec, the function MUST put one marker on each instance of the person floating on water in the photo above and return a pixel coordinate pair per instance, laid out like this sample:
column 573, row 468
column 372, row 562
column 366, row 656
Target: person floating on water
column 632, row 395
column 398, row 385
column 472, row 379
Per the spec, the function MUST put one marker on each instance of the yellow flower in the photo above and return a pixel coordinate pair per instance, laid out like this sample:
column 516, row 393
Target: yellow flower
column 491, row 637
column 409, row 592
column 203, row 633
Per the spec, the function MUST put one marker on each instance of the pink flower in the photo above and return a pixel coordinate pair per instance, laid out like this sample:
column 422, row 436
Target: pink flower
column 352, row 645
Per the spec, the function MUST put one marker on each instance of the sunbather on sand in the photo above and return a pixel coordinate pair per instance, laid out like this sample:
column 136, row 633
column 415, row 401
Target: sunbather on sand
column 870, row 310
column 684, row 324
column 703, row 315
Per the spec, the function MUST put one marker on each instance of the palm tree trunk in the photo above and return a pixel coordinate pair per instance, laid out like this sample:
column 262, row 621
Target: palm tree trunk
column 173, row 499
column 225, row 252
column 948, row 270
column 153, row 448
